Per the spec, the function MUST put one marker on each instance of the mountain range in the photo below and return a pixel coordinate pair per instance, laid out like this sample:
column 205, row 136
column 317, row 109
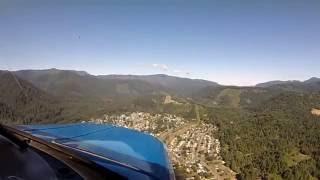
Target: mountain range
column 266, row 131
column 78, row 95
column 312, row 84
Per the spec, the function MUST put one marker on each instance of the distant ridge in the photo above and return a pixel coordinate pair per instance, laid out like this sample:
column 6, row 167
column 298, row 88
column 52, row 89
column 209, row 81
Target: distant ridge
column 82, row 82
column 178, row 85
column 273, row 83
column 312, row 84
column 313, row 80
column 162, row 79
column 52, row 71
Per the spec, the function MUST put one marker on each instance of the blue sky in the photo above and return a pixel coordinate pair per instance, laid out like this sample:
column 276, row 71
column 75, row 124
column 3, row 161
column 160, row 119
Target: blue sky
column 230, row 42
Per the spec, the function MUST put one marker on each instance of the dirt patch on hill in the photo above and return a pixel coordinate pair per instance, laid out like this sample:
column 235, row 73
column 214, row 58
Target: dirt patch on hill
column 169, row 100
column 315, row 112
column 229, row 97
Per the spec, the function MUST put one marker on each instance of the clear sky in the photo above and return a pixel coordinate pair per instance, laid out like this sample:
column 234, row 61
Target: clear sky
column 230, row 42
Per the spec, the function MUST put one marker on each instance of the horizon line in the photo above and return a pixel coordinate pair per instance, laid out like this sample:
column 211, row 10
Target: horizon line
column 124, row 74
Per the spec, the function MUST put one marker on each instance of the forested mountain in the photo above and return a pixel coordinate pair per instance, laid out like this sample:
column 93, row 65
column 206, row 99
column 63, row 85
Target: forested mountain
column 111, row 93
column 176, row 85
column 311, row 85
column 82, row 85
column 266, row 132
column 275, row 83
column 234, row 97
column 21, row 102
column 244, row 97
column 54, row 96
column 79, row 83
column 278, row 139
column 84, row 95
column 114, row 92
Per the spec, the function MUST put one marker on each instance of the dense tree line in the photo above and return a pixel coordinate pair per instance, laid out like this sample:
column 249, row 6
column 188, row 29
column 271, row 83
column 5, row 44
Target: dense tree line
column 280, row 139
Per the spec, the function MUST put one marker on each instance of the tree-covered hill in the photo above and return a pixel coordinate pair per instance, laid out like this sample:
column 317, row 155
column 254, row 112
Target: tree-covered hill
column 174, row 85
column 21, row 102
column 234, row 97
column 279, row 139
column 310, row 85
column 66, row 83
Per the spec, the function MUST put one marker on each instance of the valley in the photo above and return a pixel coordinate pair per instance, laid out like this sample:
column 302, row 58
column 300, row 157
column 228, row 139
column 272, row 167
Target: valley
column 193, row 150
column 160, row 89
column 269, row 131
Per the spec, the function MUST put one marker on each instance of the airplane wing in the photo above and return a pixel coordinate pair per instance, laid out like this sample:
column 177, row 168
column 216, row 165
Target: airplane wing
column 130, row 153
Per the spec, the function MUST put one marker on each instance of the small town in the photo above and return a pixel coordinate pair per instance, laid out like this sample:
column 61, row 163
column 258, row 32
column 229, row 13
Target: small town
column 191, row 144
column 144, row 122
column 160, row 89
